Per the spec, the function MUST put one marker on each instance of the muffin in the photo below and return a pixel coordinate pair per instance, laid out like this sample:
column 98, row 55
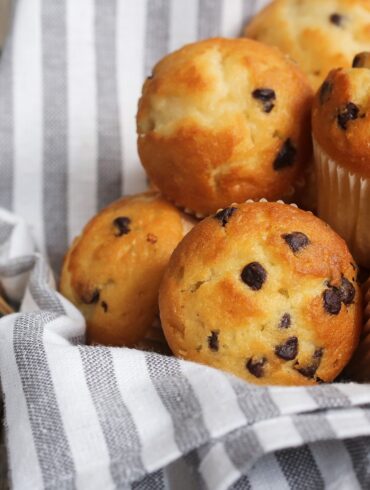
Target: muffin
column 266, row 291
column 341, row 134
column 224, row 120
column 319, row 35
column 113, row 269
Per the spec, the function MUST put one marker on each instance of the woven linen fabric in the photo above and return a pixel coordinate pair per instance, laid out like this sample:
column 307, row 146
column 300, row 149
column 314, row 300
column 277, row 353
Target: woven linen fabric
column 83, row 417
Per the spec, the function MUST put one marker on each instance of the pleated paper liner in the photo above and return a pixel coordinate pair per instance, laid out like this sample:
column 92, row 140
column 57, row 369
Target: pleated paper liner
column 344, row 203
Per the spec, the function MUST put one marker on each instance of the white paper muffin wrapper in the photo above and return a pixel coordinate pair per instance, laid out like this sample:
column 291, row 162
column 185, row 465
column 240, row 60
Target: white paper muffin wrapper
column 344, row 203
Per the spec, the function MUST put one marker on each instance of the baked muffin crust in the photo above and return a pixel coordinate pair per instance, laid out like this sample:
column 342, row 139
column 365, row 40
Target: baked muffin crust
column 319, row 35
column 341, row 118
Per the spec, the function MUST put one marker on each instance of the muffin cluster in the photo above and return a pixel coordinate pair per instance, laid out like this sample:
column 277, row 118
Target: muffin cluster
column 212, row 260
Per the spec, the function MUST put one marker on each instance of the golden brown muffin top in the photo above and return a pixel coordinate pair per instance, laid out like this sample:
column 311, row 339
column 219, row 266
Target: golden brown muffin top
column 319, row 34
column 266, row 291
column 113, row 269
column 224, row 120
column 341, row 118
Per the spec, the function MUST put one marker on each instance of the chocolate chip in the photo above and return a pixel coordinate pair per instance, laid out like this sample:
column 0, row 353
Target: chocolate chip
column 104, row 306
column 310, row 370
column 337, row 19
column 213, row 341
column 296, row 240
column 349, row 113
column 91, row 298
column 286, row 156
column 347, row 292
column 254, row 275
column 256, row 367
column 285, row 321
column 122, row 225
column 325, row 91
column 288, row 350
column 224, row 215
column 361, row 60
column 332, row 301
column 267, row 96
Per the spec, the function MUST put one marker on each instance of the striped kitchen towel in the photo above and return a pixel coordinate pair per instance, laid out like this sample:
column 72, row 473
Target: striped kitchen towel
column 70, row 78
column 83, row 417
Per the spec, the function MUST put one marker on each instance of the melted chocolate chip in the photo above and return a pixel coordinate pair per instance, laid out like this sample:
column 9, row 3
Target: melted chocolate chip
column 256, row 366
column 361, row 60
column 254, row 275
column 325, row 91
column 310, row 370
column 347, row 292
column 285, row 321
column 349, row 113
column 332, row 301
column 224, row 215
column 357, row 61
column 296, row 240
column 286, row 156
column 91, row 298
column 288, row 350
column 104, row 306
column 122, row 225
column 337, row 19
column 213, row 341
column 267, row 96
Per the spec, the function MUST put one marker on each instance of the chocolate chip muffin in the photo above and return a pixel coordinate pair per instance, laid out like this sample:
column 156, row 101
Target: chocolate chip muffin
column 341, row 133
column 224, row 120
column 113, row 270
column 265, row 291
column 319, row 35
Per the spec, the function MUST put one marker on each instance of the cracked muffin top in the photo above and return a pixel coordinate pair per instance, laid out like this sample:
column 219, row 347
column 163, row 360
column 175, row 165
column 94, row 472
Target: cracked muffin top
column 319, row 34
column 113, row 269
column 265, row 291
column 224, row 120
column 341, row 116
